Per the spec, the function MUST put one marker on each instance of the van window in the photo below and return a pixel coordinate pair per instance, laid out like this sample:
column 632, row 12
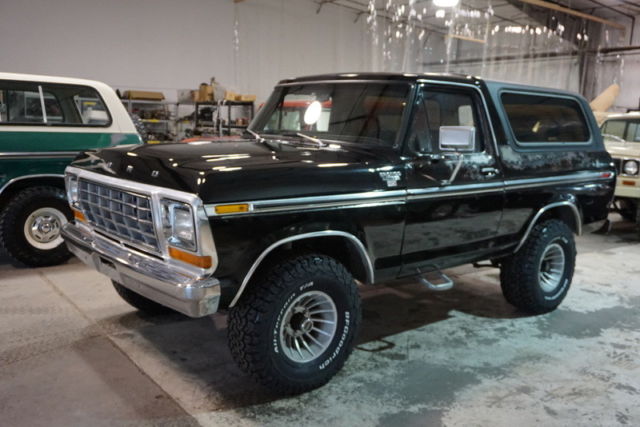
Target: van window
column 64, row 105
column 629, row 130
column 545, row 118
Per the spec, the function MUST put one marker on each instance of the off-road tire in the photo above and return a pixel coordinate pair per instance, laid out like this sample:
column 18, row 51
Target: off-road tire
column 628, row 209
column 143, row 304
column 255, row 322
column 519, row 274
column 12, row 220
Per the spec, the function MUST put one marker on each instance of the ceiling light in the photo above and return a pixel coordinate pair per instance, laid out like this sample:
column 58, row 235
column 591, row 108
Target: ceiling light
column 446, row 3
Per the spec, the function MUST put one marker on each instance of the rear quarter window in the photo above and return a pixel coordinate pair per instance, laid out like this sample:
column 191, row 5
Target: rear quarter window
column 545, row 119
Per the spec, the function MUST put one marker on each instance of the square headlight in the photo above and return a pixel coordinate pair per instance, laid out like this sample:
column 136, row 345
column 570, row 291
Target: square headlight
column 178, row 225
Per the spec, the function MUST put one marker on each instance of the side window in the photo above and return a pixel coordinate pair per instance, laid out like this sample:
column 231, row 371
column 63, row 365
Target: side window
column 64, row 105
column 440, row 107
column 20, row 103
column 545, row 118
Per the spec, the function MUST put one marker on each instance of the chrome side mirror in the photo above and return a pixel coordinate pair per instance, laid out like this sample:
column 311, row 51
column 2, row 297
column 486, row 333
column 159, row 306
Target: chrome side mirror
column 458, row 139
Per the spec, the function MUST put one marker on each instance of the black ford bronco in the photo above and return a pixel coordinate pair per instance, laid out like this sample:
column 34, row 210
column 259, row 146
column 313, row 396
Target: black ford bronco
column 344, row 179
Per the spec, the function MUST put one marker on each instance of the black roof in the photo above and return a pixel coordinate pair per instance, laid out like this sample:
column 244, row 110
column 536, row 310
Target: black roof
column 410, row 77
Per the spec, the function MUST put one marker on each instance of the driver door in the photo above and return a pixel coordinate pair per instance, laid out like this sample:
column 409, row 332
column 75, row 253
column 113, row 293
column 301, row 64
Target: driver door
column 455, row 199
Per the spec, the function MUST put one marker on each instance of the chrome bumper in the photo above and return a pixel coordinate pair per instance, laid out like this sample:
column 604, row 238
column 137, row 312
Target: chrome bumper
column 151, row 277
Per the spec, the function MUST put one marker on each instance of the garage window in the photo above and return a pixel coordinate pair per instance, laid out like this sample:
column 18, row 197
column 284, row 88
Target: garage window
column 545, row 119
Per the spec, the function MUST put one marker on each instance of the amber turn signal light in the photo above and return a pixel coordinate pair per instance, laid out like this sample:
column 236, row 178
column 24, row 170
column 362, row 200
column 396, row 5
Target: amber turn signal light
column 227, row 209
column 79, row 216
column 198, row 261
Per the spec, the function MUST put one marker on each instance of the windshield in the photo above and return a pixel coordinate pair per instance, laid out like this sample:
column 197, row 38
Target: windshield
column 628, row 130
column 352, row 112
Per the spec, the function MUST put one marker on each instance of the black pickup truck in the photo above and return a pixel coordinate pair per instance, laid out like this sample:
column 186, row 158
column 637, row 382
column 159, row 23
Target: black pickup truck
column 344, row 179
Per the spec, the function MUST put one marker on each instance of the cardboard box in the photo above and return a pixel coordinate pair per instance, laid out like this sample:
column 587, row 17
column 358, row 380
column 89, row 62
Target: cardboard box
column 230, row 96
column 143, row 95
column 246, row 98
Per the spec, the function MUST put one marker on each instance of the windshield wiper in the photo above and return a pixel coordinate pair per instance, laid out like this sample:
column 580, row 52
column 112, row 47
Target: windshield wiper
column 302, row 135
column 256, row 135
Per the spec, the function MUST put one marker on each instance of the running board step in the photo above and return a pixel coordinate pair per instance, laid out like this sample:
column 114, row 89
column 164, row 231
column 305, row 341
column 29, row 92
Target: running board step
column 437, row 281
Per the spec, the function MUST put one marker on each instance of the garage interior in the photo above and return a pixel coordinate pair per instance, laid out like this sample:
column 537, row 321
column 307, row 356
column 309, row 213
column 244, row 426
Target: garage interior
column 73, row 353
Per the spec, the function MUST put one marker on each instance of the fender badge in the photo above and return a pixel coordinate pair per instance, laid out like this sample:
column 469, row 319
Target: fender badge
column 155, row 174
column 129, row 169
column 391, row 178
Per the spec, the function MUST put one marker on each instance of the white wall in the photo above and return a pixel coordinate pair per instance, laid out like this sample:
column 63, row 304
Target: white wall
column 170, row 44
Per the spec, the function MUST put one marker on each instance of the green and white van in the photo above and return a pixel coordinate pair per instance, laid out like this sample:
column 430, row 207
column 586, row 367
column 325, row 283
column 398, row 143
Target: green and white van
column 44, row 123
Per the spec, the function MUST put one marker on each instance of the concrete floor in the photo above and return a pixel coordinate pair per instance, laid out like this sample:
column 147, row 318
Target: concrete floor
column 73, row 353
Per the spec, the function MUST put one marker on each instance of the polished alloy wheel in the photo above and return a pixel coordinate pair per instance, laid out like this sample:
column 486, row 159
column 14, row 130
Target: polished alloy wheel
column 308, row 327
column 42, row 228
column 551, row 268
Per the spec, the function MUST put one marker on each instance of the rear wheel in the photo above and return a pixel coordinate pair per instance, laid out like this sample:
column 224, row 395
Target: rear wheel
column 294, row 330
column 537, row 278
column 30, row 226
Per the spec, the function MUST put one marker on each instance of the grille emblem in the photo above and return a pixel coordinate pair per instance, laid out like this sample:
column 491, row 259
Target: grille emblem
column 129, row 169
column 155, row 174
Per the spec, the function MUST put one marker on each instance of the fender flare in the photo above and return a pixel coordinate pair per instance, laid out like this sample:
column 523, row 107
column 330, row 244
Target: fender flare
column 358, row 245
column 26, row 177
column 550, row 206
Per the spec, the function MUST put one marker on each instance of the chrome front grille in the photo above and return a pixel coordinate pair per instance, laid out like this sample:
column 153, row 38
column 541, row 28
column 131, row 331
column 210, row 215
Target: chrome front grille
column 120, row 214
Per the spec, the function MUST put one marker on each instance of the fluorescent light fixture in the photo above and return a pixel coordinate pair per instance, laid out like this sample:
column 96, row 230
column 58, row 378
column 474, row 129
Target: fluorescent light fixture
column 445, row 3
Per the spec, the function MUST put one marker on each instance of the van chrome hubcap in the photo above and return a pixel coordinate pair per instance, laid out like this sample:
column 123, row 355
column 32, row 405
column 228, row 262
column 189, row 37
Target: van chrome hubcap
column 551, row 269
column 42, row 228
column 308, row 326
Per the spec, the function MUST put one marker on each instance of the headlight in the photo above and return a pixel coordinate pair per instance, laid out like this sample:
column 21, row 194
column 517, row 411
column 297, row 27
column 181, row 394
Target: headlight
column 72, row 189
column 630, row 167
column 178, row 225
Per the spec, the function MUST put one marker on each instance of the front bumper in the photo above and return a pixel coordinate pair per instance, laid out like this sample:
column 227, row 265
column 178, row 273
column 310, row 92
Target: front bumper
column 148, row 276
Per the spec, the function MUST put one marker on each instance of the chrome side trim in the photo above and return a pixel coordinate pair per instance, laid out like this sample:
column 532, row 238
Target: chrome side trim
column 38, row 154
column 576, row 177
column 376, row 198
column 20, row 178
column 456, row 190
column 550, row 206
column 326, row 233
column 370, row 198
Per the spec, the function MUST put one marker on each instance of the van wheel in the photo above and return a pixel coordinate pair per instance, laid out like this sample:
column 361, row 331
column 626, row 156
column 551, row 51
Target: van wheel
column 537, row 278
column 293, row 330
column 628, row 209
column 143, row 304
column 30, row 225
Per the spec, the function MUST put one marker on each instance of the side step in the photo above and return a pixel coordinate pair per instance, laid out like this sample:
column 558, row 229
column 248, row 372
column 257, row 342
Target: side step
column 436, row 281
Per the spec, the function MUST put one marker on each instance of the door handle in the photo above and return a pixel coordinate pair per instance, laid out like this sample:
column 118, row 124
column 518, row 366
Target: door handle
column 489, row 171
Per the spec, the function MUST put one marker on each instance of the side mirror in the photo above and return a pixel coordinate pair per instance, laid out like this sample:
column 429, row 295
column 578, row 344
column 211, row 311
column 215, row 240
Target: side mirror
column 457, row 138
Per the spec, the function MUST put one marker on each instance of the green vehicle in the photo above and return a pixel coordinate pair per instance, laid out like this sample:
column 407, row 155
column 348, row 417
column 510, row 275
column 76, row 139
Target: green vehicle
column 44, row 123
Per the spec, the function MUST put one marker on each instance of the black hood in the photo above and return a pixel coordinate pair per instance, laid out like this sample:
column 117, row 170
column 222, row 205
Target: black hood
column 237, row 170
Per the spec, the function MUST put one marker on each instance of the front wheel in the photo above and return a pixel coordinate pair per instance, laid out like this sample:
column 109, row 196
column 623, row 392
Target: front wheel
column 293, row 330
column 30, row 225
column 537, row 278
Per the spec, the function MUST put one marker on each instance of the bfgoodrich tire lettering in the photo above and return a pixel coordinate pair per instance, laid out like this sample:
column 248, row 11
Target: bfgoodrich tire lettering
column 257, row 322
column 15, row 215
column 520, row 277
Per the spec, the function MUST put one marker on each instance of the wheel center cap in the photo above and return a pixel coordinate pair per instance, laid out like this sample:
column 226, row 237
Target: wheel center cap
column 306, row 326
